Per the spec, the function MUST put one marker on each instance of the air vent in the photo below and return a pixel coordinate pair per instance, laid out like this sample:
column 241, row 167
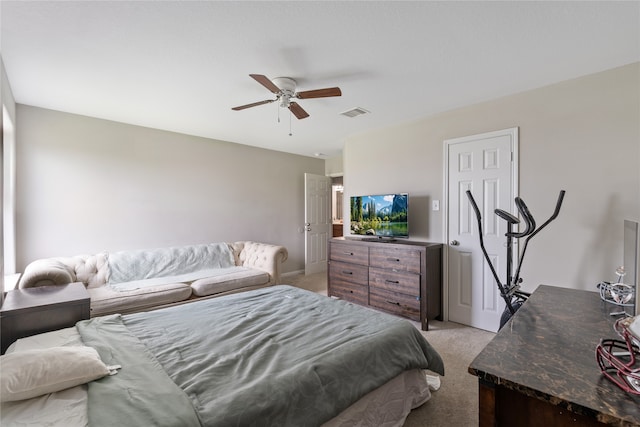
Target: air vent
column 354, row 112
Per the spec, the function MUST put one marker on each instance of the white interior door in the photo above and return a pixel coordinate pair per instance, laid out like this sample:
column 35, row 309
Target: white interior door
column 486, row 164
column 317, row 213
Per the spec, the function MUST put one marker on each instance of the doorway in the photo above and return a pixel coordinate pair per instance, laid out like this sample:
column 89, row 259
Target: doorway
column 337, row 207
column 317, row 222
column 487, row 165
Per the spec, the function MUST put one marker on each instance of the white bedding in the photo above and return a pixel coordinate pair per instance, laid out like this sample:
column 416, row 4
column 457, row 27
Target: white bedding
column 128, row 266
column 386, row 406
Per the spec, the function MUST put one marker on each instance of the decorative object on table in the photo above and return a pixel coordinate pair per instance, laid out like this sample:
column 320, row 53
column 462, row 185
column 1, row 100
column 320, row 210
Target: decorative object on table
column 619, row 360
column 617, row 293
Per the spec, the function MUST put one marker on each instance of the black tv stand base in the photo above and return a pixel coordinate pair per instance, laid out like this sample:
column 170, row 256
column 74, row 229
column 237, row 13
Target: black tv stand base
column 379, row 239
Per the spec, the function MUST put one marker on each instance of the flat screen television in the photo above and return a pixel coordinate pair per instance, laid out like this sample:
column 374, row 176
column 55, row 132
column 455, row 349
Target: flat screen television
column 380, row 215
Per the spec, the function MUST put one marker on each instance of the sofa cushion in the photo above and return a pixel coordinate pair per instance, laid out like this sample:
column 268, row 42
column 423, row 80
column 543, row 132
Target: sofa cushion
column 180, row 278
column 105, row 300
column 241, row 277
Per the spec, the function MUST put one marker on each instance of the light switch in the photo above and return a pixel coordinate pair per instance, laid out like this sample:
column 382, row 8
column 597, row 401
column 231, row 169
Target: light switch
column 435, row 205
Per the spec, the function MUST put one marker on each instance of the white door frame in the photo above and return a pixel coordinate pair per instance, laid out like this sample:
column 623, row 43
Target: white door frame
column 514, row 133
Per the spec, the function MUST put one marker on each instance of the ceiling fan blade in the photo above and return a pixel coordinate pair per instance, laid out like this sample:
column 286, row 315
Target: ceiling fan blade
column 298, row 111
column 255, row 104
column 319, row 93
column 264, row 81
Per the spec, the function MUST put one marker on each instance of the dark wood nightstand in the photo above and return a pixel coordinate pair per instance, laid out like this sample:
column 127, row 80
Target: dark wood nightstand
column 32, row 311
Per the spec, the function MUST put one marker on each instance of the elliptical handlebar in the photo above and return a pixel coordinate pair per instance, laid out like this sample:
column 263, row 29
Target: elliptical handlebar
column 528, row 219
column 516, row 277
column 552, row 217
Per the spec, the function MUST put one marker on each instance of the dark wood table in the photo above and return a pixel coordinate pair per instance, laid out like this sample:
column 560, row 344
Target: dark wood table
column 31, row 311
column 541, row 370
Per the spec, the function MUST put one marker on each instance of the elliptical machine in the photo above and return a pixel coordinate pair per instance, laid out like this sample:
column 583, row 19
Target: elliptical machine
column 510, row 290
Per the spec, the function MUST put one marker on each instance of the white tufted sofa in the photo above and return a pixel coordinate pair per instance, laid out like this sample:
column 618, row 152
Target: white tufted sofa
column 255, row 265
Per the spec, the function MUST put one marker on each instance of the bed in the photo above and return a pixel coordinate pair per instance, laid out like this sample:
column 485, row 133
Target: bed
column 278, row 356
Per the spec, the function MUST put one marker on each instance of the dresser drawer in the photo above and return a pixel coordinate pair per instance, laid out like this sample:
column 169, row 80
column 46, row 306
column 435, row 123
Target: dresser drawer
column 395, row 303
column 395, row 281
column 396, row 259
column 356, row 254
column 353, row 273
column 349, row 291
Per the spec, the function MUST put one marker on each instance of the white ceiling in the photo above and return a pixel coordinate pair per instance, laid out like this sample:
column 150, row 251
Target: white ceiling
column 181, row 66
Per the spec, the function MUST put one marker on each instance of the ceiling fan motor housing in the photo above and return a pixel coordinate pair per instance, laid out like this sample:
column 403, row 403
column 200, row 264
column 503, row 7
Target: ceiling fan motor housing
column 288, row 89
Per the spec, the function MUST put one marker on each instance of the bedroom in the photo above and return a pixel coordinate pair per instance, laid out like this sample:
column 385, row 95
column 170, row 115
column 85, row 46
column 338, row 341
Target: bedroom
column 96, row 184
column 140, row 173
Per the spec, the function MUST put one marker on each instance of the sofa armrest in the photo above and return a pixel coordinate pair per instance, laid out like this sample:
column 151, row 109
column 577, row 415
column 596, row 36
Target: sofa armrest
column 263, row 256
column 46, row 272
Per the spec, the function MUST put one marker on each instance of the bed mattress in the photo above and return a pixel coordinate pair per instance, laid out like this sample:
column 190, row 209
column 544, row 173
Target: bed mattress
column 385, row 404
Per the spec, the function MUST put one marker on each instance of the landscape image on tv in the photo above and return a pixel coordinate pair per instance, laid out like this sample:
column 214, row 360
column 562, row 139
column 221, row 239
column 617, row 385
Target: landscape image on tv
column 380, row 215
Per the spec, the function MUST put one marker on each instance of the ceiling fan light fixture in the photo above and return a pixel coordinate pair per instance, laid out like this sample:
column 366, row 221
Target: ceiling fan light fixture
column 285, row 101
column 355, row 112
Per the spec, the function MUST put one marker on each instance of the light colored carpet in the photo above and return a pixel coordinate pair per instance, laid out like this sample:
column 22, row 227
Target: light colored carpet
column 455, row 404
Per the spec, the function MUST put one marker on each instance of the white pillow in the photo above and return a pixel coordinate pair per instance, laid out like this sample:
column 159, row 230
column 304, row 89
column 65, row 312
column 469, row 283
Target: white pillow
column 31, row 373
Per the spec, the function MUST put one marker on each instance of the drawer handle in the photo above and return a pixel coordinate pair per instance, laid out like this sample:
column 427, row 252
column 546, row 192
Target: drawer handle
column 393, row 259
column 393, row 281
column 348, row 253
column 394, row 303
column 347, row 272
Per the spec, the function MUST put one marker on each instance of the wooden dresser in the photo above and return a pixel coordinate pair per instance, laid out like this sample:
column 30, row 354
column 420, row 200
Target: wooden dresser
column 399, row 277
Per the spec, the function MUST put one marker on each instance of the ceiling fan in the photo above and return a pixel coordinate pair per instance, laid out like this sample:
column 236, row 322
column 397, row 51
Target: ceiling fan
column 285, row 90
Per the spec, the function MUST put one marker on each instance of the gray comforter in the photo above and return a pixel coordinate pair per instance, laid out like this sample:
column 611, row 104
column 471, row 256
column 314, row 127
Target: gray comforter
column 276, row 356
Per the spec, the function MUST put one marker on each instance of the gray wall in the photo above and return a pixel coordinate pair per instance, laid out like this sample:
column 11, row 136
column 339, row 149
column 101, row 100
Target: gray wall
column 581, row 135
column 86, row 185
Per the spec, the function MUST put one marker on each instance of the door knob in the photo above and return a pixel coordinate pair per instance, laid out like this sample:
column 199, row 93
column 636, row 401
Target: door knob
column 455, row 243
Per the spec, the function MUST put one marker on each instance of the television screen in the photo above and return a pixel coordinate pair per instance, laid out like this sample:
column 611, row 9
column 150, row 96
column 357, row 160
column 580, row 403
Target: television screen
column 383, row 215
